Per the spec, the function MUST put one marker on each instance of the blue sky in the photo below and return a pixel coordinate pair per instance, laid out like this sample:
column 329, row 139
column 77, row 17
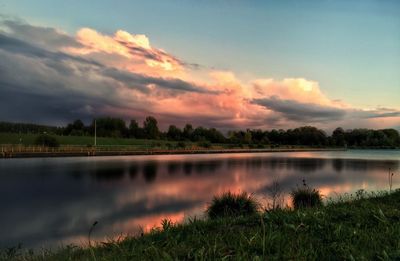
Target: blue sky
column 351, row 48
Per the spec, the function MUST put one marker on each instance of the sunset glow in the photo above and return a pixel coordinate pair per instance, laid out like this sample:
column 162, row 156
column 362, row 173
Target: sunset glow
column 122, row 71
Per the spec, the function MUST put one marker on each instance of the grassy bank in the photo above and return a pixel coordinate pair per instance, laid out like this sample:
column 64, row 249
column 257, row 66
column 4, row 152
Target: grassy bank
column 29, row 139
column 26, row 145
column 349, row 229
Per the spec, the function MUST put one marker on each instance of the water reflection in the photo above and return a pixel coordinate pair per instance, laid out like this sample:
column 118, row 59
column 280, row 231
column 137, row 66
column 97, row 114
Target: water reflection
column 173, row 167
column 108, row 173
column 49, row 201
column 338, row 164
column 133, row 170
column 150, row 171
column 187, row 168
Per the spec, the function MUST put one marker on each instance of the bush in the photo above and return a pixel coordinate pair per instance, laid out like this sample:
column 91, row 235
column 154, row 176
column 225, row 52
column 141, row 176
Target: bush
column 260, row 146
column 305, row 197
column 155, row 144
column 47, row 141
column 204, row 144
column 181, row 144
column 232, row 205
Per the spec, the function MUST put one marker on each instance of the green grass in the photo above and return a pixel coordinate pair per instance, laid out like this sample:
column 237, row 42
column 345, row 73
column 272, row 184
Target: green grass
column 29, row 139
column 361, row 228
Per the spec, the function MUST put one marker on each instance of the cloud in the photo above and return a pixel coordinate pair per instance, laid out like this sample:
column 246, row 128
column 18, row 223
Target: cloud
column 47, row 86
column 16, row 46
column 48, row 76
column 167, row 83
column 382, row 113
column 136, row 49
column 46, row 37
column 302, row 112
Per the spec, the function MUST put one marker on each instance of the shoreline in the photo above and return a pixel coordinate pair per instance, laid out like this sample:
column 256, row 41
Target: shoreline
column 363, row 227
column 90, row 152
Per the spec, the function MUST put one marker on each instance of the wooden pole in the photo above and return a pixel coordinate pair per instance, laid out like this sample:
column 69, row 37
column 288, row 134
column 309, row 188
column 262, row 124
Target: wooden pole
column 95, row 133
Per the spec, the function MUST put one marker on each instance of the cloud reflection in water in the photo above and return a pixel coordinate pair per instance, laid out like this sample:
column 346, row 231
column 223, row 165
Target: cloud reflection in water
column 64, row 196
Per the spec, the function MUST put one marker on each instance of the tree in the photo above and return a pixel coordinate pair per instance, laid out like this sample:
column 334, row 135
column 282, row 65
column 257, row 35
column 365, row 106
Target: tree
column 274, row 137
column 151, row 128
column 259, row 136
column 77, row 128
column 174, row 133
column 247, row 137
column 393, row 136
column 78, row 125
column 187, row 131
column 110, row 127
column 134, row 129
column 338, row 137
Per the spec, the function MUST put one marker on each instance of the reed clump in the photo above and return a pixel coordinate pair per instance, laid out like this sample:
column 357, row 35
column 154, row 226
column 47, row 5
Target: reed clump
column 305, row 197
column 233, row 205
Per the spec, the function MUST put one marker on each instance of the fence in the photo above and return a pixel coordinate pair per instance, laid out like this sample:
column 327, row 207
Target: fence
column 9, row 151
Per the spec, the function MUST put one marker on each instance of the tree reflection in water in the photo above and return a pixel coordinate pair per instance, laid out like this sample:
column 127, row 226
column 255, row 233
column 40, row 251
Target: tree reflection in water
column 64, row 196
column 150, row 171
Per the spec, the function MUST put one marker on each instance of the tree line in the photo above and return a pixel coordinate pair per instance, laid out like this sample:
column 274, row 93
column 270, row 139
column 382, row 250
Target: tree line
column 29, row 128
column 307, row 135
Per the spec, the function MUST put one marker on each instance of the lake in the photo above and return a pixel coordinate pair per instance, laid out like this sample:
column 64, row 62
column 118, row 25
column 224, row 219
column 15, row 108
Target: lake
column 46, row 202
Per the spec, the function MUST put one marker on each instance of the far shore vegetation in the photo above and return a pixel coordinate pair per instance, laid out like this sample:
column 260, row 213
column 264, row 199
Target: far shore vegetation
column 115, row 132
column 363, row 226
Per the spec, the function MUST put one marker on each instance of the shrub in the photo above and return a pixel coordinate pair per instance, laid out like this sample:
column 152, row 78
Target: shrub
column 276, row 196
column 204, row 144
column 260, row 146
column 47, row 141
column 181, row 144
column 156, row 144
column 232, row 205
column 305, row 197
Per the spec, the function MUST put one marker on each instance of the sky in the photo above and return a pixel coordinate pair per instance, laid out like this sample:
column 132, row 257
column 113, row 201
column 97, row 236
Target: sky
column 225, row 64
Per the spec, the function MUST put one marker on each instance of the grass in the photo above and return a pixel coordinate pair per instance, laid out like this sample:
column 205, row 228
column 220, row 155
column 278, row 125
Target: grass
column 303, row 197
column 232, row 205
column 365, row 227
column 29, row 139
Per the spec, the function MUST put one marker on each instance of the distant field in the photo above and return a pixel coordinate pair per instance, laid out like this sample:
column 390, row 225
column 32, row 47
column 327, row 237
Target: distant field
column 29, row 139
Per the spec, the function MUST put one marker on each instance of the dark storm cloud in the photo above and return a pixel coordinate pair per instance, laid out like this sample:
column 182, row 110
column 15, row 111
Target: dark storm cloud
column 297, row 111
column 54, row 87
column 44, row 108
column 17, row 46
column 144, row 80
column 137, row 81
column 49, row 87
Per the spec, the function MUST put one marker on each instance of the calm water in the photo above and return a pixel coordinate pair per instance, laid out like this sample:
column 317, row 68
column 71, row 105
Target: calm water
column 53, row 201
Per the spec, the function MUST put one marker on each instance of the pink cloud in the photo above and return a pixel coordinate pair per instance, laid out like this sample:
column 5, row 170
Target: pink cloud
column 133, row 52
column 123, row 74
